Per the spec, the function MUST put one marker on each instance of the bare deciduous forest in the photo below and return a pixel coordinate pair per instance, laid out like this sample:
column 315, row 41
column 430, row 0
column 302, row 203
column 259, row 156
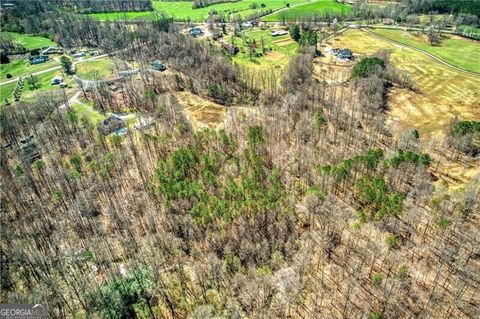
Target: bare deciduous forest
column 303, row 204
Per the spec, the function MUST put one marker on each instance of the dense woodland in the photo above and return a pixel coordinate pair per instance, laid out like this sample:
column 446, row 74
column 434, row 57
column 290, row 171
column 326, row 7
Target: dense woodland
column 303, row 205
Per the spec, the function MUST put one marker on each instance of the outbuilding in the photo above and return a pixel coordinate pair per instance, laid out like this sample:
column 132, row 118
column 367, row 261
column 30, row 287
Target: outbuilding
column 57, row 79
column 38, row 59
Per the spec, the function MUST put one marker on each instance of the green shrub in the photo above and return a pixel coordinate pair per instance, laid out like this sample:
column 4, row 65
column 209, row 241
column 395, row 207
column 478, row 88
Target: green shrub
column 466, row 127
column 392, row 242
column 366, row 67
column 377, row 278
column 119, row 298
column 402, row 273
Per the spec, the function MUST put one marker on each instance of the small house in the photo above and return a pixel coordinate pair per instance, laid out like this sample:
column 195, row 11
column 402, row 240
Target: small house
column 158, row 66
column 111, row 124
column 57, row 79
column 345, row 54
column 278, row 33
column 38, row 59
column 195, row 32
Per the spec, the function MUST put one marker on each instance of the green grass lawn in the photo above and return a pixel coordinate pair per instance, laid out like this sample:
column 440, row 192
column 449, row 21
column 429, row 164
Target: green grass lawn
column 183, row 11
column 458, row 51
column 85, row 110
column 22, row 67
column 30, row 42
column 278, row 49
column 96, row 70
column 318, row 7
column 470, row 31
column 113, row 16
column 44, row 80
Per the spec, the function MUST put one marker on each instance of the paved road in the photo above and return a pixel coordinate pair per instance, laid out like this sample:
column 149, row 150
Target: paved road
column 476, row 74
column 58, row 68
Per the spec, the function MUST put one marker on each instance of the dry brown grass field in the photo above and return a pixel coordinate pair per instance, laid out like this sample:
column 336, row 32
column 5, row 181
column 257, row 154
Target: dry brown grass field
column 443, row 94
column 201, row 112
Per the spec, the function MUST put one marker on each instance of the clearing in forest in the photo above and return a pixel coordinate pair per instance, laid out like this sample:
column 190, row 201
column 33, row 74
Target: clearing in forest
column 184, row 11
column 29, row 42
column 22, row 67
column 319, row 7
column 443, row 94
column 201, row 112
column 28, row 92
column 96, row 70
column 260, row 50
column 461, row 52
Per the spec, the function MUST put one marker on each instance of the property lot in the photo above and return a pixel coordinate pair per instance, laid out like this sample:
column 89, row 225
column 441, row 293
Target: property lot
column 319, row 7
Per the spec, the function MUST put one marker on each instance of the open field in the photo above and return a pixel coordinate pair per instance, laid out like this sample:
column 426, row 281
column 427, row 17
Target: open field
column 183, row 10
column 278, row 50
column 201, row 112
column 29, row 42
column 88, row 112
column 96, row 70
column 21, row 67
column 458, row 51
column 319, row 7
column 44, row 79
column 443, row 95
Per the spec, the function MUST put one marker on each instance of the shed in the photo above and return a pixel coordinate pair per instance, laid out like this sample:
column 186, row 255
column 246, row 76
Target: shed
column 38, row 59
column 57, row 79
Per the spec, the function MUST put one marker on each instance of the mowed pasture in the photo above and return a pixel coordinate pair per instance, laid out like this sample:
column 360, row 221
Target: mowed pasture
column 6, row 91
column 29, row 42
column 183, row 10
column 275, row 52
column 461, row 52
column 96, row 70
column 310, row 9
column 22, row 67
